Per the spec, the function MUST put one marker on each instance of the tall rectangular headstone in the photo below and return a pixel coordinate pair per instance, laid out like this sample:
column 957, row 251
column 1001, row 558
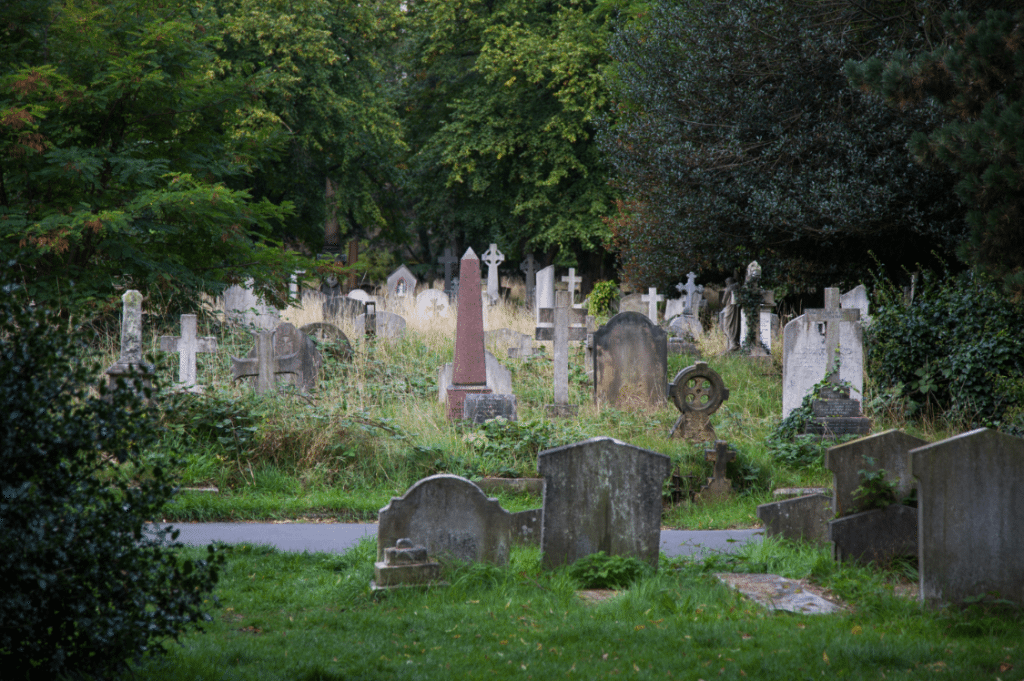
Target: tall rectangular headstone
column 545, row 291
column 630, row 362
column 970, row 514
column 131, row 342
column 601, row 495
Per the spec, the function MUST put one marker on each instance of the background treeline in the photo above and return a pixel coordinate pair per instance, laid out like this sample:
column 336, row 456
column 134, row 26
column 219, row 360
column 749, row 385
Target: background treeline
column 180, row 147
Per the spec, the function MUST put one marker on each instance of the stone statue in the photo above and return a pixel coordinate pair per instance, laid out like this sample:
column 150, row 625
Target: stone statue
column 731, row 315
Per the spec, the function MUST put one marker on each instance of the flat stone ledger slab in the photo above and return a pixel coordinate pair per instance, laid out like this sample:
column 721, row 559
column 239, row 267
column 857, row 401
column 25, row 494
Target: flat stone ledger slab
column 449, row 516
column 875, row 536
column 480, row 408
column 630, row 362
column 778, row 593
column 803, row 518
column 971, row 514
column 601, row 495
column 889, row 451
column 290, row 341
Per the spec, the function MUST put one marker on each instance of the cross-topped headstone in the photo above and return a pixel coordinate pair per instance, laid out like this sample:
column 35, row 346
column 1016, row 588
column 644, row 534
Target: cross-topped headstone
column 529, row 268
column 572, row 280
column 561, row 333
column 447, row 260
column 492, row 258
column 831, row 316
column 692, row 291
column 265, row 365
column 652, row 299
column 188, row 345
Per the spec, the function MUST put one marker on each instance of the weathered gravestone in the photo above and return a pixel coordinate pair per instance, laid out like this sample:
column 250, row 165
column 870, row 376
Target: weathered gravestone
column 402, row 283
column 529, row 269
column 388, row 324
column 697, row 391
column 601, row 495
column 803, row 518
column 888, row 451
column 469, row 368
column 684, row 312
column 188, row 345
column 633, row 302
column 499, row 379
column 719, row 486
column 857, row 299
column 809, row 344
column 361, row 296
column 480, row 408
column 450, row 517
column 285, row 354
column 329, row 337
column 447, row 261
column 432, row 304
column 492, row 258
column 561, row 334
column 971, row 513
column 630, row 362
column 242, row 306
column 130, row 361
column 405, row 564
column 499, row 341
column 544, row 297
column 875, row 536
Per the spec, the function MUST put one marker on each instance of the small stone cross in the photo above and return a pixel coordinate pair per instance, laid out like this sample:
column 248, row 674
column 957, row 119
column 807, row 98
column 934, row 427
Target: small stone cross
column 831, row 317
column 572, row 280
column 561, row 407
column 265, row 365
column 448, row 260
column 492, row 258
column 718, row 486
column 652, row 299
column 187, row 346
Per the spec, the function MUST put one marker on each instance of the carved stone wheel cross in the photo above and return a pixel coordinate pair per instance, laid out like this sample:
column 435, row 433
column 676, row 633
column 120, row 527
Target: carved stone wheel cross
column 697, row 391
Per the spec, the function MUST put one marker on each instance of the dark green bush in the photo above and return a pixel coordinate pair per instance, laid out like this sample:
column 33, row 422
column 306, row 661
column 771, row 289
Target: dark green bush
column 86, row 586
column 956, row 348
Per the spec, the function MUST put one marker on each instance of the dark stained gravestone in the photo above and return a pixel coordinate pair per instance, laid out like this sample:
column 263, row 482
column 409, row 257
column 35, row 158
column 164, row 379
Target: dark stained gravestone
column 888, row 451
column 601, row 495
column 480, row 408
column 329, row 338
column 293, row 359
column 630, row 362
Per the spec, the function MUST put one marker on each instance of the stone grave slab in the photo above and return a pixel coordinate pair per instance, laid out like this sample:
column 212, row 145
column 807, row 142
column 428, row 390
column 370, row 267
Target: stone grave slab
column 601, row 495
column 479, row 408
column 971, row 516
column 875, row 536
column 432, row 304
column 778, row 593
column 890, row 452
column 803, row 518
column 389, row 324
column 405, row 565
column 450, row 517
column 499, row 379
column 630, row 362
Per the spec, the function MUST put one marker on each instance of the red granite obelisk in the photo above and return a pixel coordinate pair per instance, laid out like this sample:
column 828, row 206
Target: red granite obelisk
column 469, row 368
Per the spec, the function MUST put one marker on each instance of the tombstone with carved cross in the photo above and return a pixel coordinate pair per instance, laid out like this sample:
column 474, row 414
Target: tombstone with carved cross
column 284, row 354
column 718, row 487
column 685, row 313
column 697, row 391
column 492, row 258
column 567, row 324
column 188, row 345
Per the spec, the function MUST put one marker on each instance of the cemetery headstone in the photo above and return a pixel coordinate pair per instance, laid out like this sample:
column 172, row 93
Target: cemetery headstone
column 188, row 345
column 499, row 379
column 402, row 283
column 130, row 359
column 857, row 299
column 875, row 536
column 971, row 514
column 405, row 564
column 469, row 368
column 719, row 486
column 633, row 302
column 545, row 292
column 561, row 333
column 447, row 261
column 529, row 268
column 284, row 352
column 572, row 282
column 480, row 408
column 493, row 257
column 809, row 351
column 329, row 337
column 450, row 517
column 386, row 324
column 509, row 342
column 888, row 451
column 803, row 518
column 697, row 391
column 242, row 306
column 601, row 495
column 432, row 304
column 652, row 299
column 630, row 362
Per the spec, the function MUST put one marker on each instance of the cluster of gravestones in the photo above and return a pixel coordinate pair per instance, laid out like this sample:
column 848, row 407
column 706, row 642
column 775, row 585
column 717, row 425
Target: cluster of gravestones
column 963, row 523
column 599, row 495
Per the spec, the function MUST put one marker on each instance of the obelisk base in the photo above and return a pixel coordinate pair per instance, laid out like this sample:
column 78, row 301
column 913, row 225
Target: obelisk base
column 457, row 398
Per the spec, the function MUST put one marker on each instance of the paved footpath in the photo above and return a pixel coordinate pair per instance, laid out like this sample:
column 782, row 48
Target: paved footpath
column 337, row 537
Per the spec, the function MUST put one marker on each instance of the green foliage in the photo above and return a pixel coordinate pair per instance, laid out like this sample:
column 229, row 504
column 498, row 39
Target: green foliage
column 738, row 138
column 959, row 347
column 510, row 448
column 601, row 571
column 87, row 584
column 977, row 77
column 748, row 477
column 601, row 298
column 801, row 451
column 874, row 490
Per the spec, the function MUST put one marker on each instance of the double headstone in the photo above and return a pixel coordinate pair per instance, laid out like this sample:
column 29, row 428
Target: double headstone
column 630, row 362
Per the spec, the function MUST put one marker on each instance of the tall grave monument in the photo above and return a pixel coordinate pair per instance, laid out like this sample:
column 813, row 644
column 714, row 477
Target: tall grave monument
column 469, row 368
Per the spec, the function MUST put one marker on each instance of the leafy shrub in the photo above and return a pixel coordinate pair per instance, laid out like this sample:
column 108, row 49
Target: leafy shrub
column 601, row 571
column 510, row 448
column 958, row 347
column 86, row 585
column 874, row 490
column 804, row 451
column 601, row 298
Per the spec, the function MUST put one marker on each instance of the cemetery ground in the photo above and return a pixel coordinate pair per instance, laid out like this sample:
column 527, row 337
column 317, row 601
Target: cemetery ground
column 374, row 426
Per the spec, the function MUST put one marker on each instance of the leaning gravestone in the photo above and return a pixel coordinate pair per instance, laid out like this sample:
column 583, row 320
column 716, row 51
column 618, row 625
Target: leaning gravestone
column 630, row 362
column 296, row 360
column 389, row 324
column 499, row 379
column 697, row 391
column 449, row 516
column 971, row 514
column 242, row 306
column 330, row 337
column 888, row 451
column 601, row 495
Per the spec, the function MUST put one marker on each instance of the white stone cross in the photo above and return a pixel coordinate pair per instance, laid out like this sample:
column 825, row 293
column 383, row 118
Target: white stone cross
column 692, row 291
column 572, row 280
column 652, row 299
column 493, row 257
column 831, row 316
column 187, row 346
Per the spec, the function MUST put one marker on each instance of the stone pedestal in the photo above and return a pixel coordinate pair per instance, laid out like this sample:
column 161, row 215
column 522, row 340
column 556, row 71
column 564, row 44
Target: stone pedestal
column 836, row 414
column 405, row 565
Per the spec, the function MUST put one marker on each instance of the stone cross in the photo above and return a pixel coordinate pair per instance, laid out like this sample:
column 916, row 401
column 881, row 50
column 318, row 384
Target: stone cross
column 572, row 280
column 561, row 336
column 265, row 365
column 718, row 486
column 188, row 345
column 447, row 260
column 692, row 291
column 529, row 268
column 831, row 316
column 652, row 299
column 493, row 257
